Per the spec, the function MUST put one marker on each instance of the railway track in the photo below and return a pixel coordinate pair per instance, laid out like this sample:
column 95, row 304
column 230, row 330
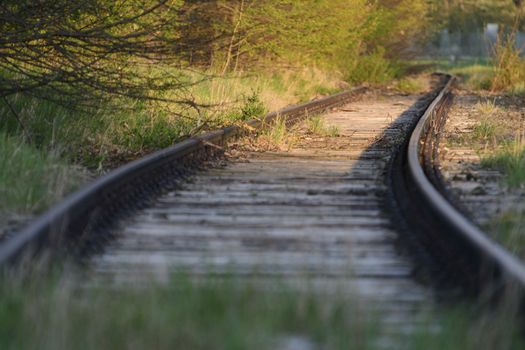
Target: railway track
column 329, row 212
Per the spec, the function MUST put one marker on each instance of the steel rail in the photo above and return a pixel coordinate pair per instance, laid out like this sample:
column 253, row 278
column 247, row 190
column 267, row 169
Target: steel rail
column 69, row 224
column 497, row 267
column 60, row 229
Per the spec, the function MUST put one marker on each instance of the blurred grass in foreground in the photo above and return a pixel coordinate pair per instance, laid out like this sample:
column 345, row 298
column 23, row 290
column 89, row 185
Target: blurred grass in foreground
column 182, row 315
column 224, row 315
column 510, row 229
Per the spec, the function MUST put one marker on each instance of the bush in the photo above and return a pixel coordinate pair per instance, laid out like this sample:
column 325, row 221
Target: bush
column 372, row 68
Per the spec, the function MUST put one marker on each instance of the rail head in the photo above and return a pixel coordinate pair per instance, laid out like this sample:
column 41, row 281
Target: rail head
column 511, row 268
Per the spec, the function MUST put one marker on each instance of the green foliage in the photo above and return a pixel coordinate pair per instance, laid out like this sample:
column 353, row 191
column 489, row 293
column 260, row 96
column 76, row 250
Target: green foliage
column 484, row 131
column 317, row 125
column 252, row 108
column 456, row 15
column 123, row 100
column 278, row 132
column 511, row 160
column 475, row 74
column 468, row 327
column 185, row 315
column 44, row 121
column 30, row 179
column 372, row 68
column 508, row 228
column 355, row 34
column 227, row 314
column 409, row 85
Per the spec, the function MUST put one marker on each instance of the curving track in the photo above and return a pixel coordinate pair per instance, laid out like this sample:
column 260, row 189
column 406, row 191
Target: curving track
column 324, row 213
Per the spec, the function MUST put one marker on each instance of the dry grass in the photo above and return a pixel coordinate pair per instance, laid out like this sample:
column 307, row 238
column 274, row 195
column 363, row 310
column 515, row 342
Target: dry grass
column 317, row 125
column 411, row 85
column 275, row 89
column 277, row 136
column 509, row 66
column 487, row 109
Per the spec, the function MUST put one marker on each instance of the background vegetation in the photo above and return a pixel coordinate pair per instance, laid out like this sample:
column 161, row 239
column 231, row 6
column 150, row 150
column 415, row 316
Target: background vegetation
column 99, row 82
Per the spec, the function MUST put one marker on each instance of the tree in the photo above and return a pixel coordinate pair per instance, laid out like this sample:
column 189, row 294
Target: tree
column 83, row 51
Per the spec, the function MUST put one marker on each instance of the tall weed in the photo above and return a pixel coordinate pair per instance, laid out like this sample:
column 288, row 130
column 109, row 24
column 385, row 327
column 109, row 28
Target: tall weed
column 509, row 66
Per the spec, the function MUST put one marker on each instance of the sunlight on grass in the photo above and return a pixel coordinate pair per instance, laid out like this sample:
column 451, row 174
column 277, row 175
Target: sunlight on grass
column 277, row 135
column 487, row 108
column 275, row 89
column 409, row 85
column 475, row 74
column 110, row 135
column 317, row 125
column 509, row 65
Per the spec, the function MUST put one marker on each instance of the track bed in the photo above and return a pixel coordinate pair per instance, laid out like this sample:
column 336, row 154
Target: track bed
column 311, row 216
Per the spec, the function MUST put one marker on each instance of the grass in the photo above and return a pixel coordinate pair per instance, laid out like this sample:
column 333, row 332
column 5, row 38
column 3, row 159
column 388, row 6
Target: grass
column 277, row 135
column 510, row 158
column 503, row 72
column 487, row 109
column 485, row 130
column 372, row 68
column 510, row 228
column 409, row 85
column 466, row 326
column 317, row 125
column 30, row 179
column 476, row 74
column 280, row 136
column 184, row 315
column 275, row 89
column 509, row 66
column 212, row 314
column 110, row 135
